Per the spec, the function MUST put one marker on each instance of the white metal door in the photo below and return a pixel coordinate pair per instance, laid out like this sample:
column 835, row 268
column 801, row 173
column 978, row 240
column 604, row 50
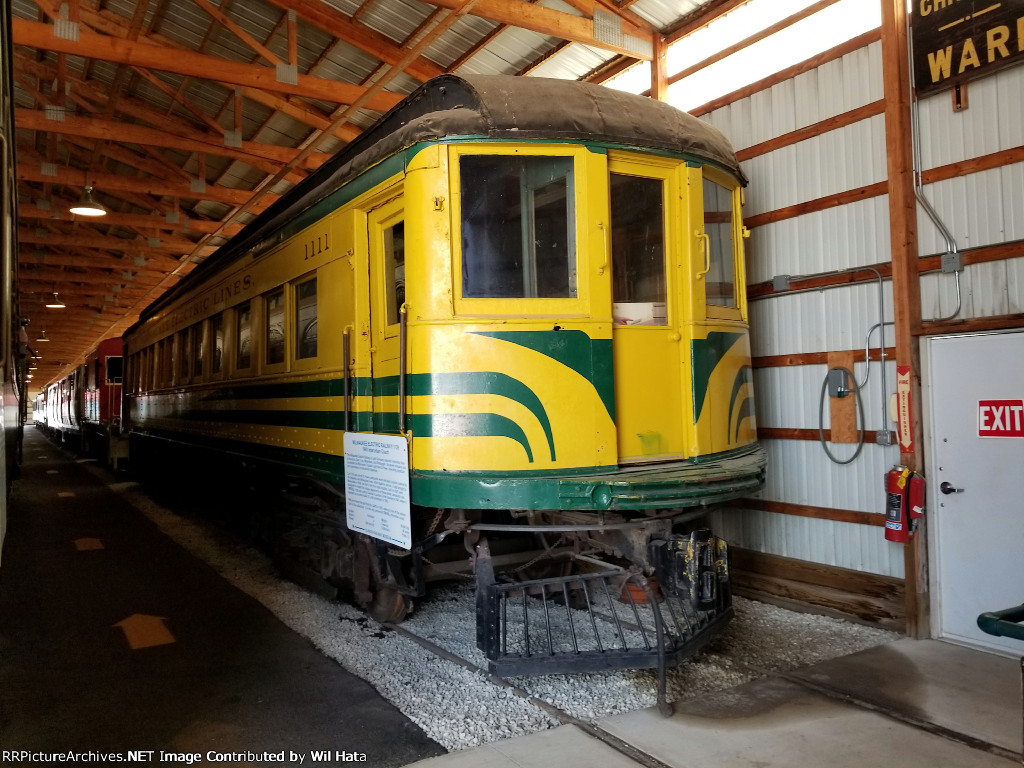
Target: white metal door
column 976, row 398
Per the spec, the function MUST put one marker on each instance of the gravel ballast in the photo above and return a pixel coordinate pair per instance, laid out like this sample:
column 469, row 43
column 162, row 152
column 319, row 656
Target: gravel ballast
column 462, row 707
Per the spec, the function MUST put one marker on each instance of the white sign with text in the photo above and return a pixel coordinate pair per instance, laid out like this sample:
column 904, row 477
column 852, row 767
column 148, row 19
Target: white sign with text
column 377, row 487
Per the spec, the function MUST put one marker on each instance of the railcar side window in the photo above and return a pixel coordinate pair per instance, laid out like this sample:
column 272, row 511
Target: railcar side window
column 217, row 332
column 274, row 336
column 394, row 269
column 718, row 226
column 166, row 361
column 184, row 360
column 243, row 337
column 638, row 250
column 197, row 349
column 305, row 319
column 518, row 227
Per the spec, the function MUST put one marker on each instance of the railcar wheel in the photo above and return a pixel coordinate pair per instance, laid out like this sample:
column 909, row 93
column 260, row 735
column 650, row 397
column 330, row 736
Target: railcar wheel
column 388, row 605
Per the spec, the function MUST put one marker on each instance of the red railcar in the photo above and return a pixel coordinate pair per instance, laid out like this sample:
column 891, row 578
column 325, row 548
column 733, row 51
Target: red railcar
column 83, row 409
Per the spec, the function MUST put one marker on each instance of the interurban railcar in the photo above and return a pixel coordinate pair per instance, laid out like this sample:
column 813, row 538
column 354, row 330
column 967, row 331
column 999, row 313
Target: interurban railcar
column 82, row 409
column 503, row 333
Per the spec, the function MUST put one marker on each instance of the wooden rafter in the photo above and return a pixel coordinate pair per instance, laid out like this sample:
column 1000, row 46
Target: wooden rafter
column 93, row 46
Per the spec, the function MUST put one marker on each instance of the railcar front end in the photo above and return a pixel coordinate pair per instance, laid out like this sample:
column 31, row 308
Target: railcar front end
column 539, row 315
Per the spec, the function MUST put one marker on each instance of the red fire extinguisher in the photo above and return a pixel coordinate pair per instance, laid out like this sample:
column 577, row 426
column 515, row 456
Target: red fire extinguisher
column 904, row 503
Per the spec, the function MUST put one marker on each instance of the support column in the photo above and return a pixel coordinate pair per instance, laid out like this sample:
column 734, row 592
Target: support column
column 905, row 279
column 659, row 69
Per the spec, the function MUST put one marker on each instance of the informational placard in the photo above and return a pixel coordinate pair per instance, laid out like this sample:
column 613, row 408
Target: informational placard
column 377, row 487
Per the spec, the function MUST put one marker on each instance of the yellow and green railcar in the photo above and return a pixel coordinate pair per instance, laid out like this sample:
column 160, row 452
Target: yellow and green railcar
column 538, row 286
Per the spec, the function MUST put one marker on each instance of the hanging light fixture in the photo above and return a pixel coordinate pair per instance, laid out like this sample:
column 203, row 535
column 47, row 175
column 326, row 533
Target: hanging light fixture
column 87, row 206
column 42, row 336
column 55, row 302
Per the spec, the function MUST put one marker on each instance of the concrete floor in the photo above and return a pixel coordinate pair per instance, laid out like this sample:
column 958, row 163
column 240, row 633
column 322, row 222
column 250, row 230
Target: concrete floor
column 232, row 677
column 910, row 704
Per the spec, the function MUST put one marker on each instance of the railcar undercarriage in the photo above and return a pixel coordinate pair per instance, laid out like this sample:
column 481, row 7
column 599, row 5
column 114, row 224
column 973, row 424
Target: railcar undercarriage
column 556, row 591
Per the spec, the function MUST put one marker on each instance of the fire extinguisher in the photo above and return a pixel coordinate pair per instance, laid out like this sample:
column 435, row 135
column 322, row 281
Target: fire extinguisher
column 904, row 503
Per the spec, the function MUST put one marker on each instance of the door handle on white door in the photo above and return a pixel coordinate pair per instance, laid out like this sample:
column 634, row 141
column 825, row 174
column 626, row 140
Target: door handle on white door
column 947, row 488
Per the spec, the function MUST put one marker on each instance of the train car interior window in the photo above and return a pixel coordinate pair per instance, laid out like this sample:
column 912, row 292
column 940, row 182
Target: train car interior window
column 518, row 227
column 719, row 226
column 115, row 369
column 305, row 319
column 639, row 288
column 394, row 269
column 217, row 339
column 274, row 328
column 243, row 337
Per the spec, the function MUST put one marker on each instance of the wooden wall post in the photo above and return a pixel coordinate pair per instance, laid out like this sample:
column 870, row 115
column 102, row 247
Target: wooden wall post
column 905, row 278
column 659, row 69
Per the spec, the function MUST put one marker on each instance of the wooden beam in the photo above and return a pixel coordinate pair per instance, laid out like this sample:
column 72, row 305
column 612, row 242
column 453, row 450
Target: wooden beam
column 812, row 358
column 701, row 17
column 93, row 46
column 853, row 44
column 366, row 39
column 810, row 131
column 141, row 221
column 129, row 246
column 819, row 204
column 545, row 21
column 753, row 39
column 818, row 588
column 857, row 517
column 797, row 433
column 906, row 284
column 659, row 69
column 256, row 155
column 116, row 182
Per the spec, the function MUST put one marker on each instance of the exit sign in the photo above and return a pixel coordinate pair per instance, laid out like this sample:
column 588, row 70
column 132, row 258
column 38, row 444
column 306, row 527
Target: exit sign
column 1001, row 418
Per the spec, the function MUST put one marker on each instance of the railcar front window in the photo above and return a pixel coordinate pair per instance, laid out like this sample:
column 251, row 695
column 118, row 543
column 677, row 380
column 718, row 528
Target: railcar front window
column 274, row 336
column 305, row 319
column 243, row 338
column 638, row 250
column 718, row 226
column 115, row 369
column 518, row 227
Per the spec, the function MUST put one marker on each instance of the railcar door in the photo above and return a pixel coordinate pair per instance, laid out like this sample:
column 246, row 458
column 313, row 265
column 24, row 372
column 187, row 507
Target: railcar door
column 648, row 309
column 722, row 382
column 386, row 240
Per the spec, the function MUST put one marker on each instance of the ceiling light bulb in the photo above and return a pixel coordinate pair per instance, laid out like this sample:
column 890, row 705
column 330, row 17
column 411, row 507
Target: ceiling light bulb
column 55, row 303
column 42, row 336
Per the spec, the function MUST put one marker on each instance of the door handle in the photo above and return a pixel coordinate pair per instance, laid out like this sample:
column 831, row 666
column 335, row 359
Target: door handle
column 947, row 488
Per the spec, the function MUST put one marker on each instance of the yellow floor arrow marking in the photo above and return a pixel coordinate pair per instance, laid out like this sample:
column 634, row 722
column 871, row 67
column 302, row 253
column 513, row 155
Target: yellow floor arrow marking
column 143, row 631
column 85, row 544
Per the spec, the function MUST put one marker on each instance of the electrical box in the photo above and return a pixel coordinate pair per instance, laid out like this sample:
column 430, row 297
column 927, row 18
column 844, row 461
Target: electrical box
column 839, row 384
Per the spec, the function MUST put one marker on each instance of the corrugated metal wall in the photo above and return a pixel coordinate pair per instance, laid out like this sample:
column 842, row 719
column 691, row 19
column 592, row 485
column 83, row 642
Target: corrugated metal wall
column 983, row 208
column 980, row 209
column 842, row 237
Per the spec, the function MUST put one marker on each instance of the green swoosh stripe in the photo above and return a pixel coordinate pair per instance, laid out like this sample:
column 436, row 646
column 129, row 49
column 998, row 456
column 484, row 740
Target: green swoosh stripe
column 706, row 354
column 590, row 358
column 469, row 425
column 744, row 375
